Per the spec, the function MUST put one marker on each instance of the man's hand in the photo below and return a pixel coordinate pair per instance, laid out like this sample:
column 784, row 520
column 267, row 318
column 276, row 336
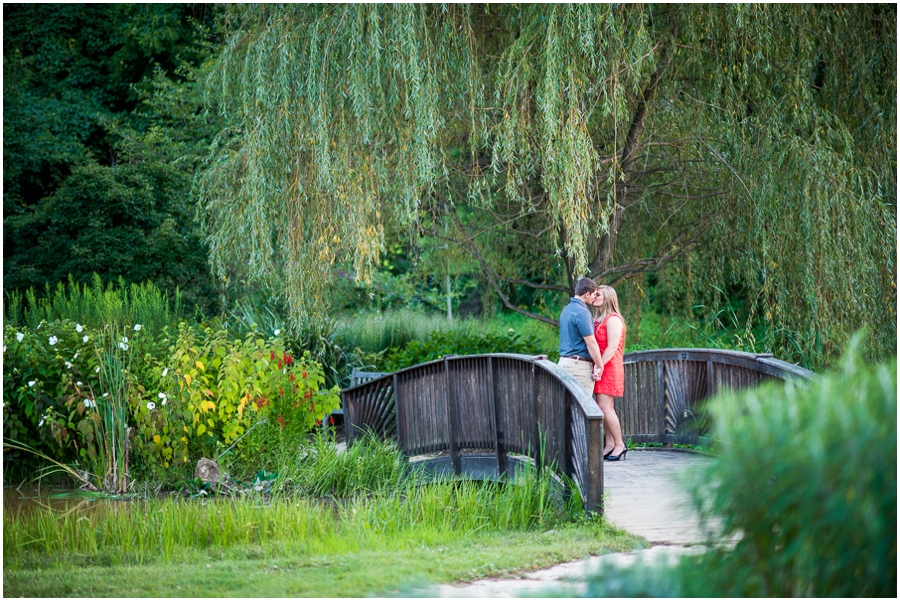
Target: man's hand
column 597, row 372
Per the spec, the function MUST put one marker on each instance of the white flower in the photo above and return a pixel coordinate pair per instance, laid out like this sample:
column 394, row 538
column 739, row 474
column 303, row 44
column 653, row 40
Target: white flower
column 78, row 383
column 86, row 338
column 162, row 395
column 20, row 336
column 105, row 394
column 151, row 405
column 97, row 371
column 125, row 339
column 79, row 328
column 89, row 403
column 53, row 340
column 277, row 332
column 137, row 327
column 32, row 382
column 164, row 402
column 41, row 422
column 75, row 357
column 165, row 372
column 68, row 365
column 123, row 346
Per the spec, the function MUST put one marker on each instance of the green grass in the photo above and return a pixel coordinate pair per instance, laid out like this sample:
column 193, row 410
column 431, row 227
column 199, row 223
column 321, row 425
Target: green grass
column 384, row 567
column 339, row 524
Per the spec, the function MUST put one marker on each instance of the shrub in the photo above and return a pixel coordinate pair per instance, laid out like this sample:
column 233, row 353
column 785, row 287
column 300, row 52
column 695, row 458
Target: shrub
column 226, row 385
column 198, row 396
column 441, row 343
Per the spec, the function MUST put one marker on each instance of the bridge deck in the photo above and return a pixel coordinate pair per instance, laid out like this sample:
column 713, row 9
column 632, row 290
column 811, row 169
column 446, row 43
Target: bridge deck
column 642, row 496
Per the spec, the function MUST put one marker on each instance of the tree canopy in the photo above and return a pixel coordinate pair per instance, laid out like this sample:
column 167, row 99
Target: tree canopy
column 95, row 178
column 750, row 143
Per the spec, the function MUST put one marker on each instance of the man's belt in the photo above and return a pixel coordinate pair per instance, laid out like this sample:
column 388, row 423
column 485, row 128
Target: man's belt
column 577, row 358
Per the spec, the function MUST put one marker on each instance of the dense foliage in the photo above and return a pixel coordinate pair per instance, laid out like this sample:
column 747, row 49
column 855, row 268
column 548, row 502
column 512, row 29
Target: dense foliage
column 98, row 146
column 185, row 395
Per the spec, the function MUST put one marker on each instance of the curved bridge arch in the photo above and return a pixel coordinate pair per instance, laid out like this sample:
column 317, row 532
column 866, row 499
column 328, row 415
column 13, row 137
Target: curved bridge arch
column 505, row 404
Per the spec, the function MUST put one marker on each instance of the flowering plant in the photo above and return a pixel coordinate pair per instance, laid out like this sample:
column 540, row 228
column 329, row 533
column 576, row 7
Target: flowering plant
column 225, row 386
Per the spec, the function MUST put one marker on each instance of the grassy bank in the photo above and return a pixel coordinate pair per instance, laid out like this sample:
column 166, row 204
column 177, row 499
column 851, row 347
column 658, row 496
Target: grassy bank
column 378, row 566
column 337, row 524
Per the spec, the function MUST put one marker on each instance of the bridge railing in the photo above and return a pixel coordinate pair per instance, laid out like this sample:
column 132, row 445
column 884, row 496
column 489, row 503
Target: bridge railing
column 498, row 403
column 663, row 389
column 504, row 403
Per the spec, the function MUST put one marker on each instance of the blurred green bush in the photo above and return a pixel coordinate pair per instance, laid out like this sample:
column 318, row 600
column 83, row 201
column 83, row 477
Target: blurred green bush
column 806, row 480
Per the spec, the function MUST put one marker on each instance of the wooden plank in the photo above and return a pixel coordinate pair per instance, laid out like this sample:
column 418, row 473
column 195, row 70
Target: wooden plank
column 661, row 398
column 499, row 442
column 451, row 415
column 536, row 423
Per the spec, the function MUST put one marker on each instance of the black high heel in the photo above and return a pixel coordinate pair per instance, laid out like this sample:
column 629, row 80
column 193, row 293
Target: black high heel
column 606, row 455
column 619, row 457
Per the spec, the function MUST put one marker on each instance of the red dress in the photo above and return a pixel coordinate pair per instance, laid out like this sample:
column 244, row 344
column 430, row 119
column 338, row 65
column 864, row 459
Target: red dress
column 612, row 382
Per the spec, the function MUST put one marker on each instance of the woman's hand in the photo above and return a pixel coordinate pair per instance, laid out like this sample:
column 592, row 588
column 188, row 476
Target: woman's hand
column 597, row 372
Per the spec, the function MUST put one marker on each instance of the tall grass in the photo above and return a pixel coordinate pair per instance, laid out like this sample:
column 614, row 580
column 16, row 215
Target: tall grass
column 407, row 513
column 95, row 305
column 375, row 332
column 108, row 412
column 319, row 469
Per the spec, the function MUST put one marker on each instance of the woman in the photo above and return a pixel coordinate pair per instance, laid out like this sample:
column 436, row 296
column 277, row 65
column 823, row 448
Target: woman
column 609, row 330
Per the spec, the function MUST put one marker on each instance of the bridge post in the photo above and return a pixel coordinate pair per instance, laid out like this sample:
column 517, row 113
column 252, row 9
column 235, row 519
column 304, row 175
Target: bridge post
column 594, row 493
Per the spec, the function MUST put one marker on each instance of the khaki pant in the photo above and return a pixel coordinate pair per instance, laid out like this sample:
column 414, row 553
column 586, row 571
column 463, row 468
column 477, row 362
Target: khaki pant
column 581, row 371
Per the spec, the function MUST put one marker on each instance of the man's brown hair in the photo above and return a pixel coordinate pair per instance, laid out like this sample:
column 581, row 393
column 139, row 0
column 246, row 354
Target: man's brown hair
column 584, row 285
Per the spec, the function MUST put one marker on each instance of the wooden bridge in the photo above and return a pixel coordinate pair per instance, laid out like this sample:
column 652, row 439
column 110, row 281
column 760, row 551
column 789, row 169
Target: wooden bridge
column 482, row 414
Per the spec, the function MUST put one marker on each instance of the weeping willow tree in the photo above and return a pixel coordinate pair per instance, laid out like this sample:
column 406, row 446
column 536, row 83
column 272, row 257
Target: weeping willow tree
column 550, row 142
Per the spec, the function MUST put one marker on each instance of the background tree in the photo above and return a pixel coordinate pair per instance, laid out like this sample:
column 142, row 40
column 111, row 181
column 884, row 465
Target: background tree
column 93, row 125
column 722, row 141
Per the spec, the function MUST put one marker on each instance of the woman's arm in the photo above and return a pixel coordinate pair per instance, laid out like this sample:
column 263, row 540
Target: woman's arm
column 614, row 327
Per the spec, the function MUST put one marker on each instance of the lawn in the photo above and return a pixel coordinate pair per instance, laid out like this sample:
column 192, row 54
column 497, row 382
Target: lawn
column 381, row 565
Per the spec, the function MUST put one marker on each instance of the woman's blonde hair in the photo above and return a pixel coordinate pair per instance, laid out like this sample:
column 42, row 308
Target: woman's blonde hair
column 610, row 303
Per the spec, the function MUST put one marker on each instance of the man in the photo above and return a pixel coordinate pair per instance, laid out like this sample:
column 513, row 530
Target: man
column 579, row 353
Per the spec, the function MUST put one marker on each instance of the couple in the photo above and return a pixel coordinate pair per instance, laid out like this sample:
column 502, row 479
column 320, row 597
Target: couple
column 591, row 344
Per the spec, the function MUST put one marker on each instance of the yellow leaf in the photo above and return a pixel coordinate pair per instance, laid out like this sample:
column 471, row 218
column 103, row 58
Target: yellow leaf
column 207, row 406
column 200, row 366
column 157, row 439
column 187, row 378
column 201, row 429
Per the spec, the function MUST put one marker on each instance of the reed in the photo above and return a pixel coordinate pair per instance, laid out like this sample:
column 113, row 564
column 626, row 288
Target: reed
column 108, row 411
column 96, row 304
